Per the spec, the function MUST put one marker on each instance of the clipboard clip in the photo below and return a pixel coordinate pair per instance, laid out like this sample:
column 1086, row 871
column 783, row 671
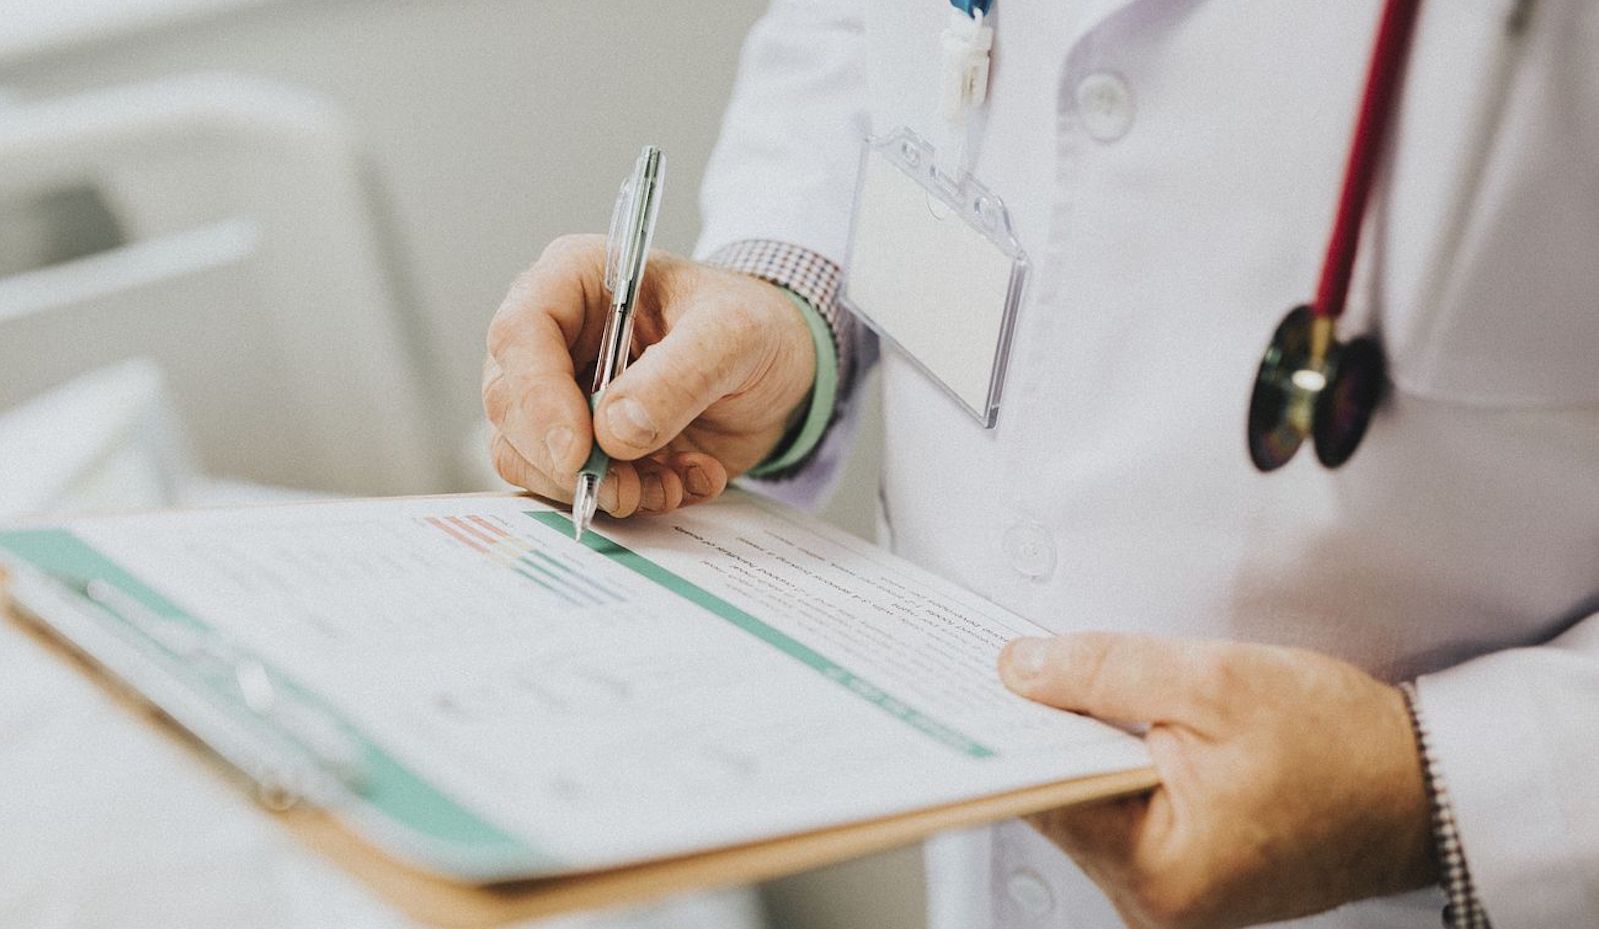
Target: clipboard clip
column 291, row 750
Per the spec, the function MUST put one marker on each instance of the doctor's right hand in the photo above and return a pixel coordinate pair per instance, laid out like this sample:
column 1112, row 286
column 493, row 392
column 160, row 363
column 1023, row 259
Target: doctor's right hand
column 727, row 361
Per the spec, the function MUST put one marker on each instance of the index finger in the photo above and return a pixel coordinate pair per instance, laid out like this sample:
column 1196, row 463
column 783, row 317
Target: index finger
column 552, row 316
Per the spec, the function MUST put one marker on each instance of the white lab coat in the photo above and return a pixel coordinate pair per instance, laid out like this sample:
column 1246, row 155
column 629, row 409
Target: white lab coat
column 1171, row 167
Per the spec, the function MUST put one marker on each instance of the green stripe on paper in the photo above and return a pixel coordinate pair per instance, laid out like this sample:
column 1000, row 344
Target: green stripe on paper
column 73, row 562
column 782, row 641
column 453, row 834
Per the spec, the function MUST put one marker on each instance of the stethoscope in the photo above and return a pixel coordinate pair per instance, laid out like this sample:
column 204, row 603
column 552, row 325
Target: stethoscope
column 1309, row 383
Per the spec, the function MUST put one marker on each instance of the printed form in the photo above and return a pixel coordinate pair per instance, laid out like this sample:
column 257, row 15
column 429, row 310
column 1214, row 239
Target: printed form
column 728, row 673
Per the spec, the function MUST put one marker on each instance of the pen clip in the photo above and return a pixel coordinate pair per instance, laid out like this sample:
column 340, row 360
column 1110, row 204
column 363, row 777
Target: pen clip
column 626, row 258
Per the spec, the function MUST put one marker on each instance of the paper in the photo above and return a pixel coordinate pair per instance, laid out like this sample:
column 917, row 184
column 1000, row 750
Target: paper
column 725, row 674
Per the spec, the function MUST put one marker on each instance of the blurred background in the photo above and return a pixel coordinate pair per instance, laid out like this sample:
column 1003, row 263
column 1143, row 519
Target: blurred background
column 249, row 249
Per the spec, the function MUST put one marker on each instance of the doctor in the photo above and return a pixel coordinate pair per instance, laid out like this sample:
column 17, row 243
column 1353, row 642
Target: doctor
column 1371, row 691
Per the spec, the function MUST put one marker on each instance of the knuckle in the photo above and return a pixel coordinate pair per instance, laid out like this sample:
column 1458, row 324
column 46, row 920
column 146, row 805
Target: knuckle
column 509, row 464
column 496, row 399
column 504, row 458
column 538, row 398
column 504, row 330
column 569, row 249
column 495, row 407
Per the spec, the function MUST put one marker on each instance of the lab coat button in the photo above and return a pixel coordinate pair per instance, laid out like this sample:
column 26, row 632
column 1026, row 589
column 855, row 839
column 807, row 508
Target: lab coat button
column 1105, row 105
column 1031, row 549
column 1030, row 893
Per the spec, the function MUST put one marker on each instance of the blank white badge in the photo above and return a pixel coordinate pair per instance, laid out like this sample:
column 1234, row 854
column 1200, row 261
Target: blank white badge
column 935, row 270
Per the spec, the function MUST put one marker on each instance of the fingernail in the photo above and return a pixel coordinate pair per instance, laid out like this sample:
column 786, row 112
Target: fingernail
column 1026, row 659
column 606, row 495
column 697, row 481
column 652, row 495
column 558, row 441
column 630, row 423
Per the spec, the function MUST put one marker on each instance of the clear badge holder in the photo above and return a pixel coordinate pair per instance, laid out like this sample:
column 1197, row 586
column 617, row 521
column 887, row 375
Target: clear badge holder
column 935, row 270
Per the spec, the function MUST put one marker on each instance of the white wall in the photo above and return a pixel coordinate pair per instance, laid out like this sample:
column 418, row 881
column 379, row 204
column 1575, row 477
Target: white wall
column 493, row 125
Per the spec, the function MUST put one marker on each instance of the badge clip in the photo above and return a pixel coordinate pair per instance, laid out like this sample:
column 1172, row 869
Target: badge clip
column 967, row 41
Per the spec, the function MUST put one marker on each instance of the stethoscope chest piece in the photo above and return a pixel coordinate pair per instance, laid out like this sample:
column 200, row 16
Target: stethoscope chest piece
column 1311, row 385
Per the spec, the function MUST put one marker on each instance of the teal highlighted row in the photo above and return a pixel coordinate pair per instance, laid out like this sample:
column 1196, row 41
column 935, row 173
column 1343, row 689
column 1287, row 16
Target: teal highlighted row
column 780, row 640
column 455, row 837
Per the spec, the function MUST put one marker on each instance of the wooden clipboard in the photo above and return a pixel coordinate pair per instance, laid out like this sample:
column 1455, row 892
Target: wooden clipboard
column 440, row 901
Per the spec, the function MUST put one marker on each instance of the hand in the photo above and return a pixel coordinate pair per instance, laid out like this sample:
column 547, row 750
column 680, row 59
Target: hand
column 1290, row 782
column 726, row 361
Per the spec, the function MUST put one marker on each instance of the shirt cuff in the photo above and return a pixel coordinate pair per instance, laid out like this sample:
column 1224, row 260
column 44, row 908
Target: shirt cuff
column 1462, row 909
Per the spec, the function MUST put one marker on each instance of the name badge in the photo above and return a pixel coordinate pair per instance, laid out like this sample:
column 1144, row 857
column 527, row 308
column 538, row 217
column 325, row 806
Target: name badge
column 934, row 269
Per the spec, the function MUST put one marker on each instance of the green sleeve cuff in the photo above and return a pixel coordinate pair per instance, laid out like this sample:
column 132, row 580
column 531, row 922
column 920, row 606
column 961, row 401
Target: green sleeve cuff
column 796, row 445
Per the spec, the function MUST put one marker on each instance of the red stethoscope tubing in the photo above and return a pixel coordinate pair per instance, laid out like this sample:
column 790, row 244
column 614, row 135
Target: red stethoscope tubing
column 1383, row 82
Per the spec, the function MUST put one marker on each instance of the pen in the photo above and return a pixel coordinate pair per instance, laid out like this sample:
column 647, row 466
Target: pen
column 627, row 251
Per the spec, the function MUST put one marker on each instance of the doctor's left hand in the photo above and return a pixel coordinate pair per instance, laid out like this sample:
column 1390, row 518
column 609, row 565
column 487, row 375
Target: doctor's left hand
column 1290, row 781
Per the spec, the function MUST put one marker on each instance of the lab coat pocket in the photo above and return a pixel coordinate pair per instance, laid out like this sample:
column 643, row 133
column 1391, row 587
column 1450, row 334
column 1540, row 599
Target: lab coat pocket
column 1512, row 321
column 1503, row 346
column 1490, row 289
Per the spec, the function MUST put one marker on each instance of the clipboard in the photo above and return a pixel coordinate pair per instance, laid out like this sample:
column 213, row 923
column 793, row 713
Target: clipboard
column 359, row 842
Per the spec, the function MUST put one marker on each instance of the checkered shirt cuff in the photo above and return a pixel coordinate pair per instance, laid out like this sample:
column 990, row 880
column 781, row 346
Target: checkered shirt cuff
column 815, row 279
column 1463, row 910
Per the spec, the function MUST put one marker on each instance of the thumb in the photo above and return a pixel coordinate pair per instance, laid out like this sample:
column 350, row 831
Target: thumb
column 1120, row 677
column 696, row 364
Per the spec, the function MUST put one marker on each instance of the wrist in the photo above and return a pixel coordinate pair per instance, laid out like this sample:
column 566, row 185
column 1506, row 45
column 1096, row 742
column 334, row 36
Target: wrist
column 808, row 420
column 801, row 354
column 810, row 284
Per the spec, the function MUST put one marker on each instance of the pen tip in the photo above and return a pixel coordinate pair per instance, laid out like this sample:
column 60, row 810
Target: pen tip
column 582, row 507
